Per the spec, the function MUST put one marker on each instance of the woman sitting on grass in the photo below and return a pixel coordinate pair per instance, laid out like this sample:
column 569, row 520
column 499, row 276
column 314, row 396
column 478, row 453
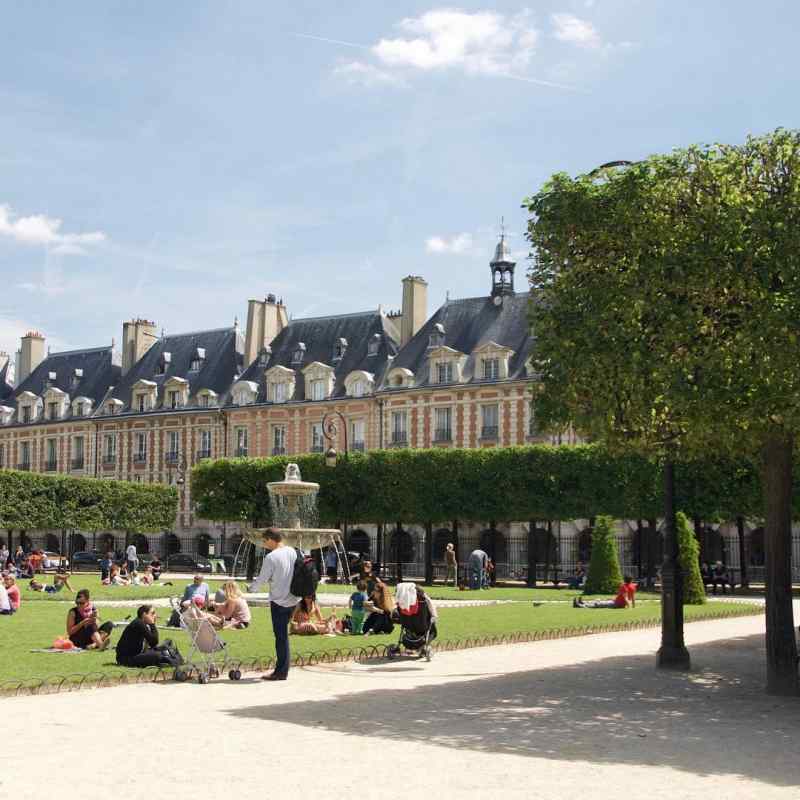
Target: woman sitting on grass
column 138, row 646
column 117, row 578
column 82, row 628
column 380, row 606
column 626, row 597
column 307, row 619
column 233, row 612
column 146, row 578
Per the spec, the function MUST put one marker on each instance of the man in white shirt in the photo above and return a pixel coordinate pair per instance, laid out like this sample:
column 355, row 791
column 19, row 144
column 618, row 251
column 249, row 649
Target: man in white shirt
column 5, row 603
column 132, row 558
column 277, row 570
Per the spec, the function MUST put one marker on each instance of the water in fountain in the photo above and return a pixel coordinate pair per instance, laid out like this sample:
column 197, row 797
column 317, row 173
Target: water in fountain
column 293, row 511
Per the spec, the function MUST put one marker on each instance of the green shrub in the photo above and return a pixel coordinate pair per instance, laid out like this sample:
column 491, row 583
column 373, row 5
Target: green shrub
column 694, row 593
column 604, row 575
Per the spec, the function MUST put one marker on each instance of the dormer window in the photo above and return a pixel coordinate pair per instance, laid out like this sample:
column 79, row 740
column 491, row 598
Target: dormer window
column 374, row 344
column 26, row 413
column 142, row 404
column 436, row 338
column 207, row 398
column 51, row 378
column 245, row 393
column 113, row 406
column 6, row 414
column 164, row 363
column 280, row 382
column 79, row 409
column 277, row 392
column 318, row 390
column 299, row 353
column 52, row 411
column 197, row 359
column 339, row 349
column 174, row 399
column 319, row 380
column 359, row 383
column 491, row 369
column 263, row 356
column 444, row 372
column 77, row 377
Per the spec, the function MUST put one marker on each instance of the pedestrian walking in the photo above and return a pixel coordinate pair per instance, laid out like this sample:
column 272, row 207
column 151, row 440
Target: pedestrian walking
column 451, row 564
column 132, row 558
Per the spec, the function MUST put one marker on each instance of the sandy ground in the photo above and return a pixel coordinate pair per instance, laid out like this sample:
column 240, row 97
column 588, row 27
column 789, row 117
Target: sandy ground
column 569, row 718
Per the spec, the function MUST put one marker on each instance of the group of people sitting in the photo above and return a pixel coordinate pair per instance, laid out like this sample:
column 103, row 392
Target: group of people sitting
column 25, row 565
column 126, row 573
column 228, row 608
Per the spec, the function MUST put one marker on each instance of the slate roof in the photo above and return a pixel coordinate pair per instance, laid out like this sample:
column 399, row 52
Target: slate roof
column 6, row 389
column 320, row 334
column 468, row 324
column 224, row 349
column 100, row 370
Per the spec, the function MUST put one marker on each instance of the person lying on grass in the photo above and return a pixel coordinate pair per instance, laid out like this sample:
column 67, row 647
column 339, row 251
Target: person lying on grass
column 626, row 597
column 138, row 646
column 60, row 581
column 82, row 624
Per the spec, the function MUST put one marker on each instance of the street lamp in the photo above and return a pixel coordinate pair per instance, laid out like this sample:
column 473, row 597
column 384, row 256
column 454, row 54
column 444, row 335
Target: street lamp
column 179, row 468
column 330, row 430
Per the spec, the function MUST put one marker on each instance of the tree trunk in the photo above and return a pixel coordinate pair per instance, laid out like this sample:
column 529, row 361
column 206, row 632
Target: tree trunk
column 429, row 553
column 531, row 553
column 742, row 553
column 776, row 452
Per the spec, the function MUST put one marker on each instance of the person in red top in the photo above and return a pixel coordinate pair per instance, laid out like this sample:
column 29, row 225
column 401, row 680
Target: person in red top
column 13, row 592
column 626, row 597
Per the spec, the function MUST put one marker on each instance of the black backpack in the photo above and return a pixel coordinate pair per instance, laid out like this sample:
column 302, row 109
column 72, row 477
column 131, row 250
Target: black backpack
column 305, row 577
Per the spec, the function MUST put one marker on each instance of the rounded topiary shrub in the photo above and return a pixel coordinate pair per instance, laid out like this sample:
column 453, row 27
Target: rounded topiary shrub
column 604, row 575
column 694, row 593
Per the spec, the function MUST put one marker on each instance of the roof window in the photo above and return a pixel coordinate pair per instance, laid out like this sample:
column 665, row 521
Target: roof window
column 299, row 353
column 374, row 344
column 436, row 339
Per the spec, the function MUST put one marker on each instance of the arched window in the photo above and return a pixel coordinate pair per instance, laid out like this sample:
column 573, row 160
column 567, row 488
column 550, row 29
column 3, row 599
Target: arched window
column 544, row 544
column 140, row 542
column 402, row 546
column 77, row 542
column 203, row 541
column 441, row 538
column 52, row 543
column 106, row 543
column 494, row 543
column 359, row 542
column 173, row 545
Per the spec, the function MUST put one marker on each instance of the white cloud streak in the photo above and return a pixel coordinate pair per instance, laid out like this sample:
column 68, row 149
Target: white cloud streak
column 455, row 245
column 573, row 30
column 40, row 230
column 358, row 73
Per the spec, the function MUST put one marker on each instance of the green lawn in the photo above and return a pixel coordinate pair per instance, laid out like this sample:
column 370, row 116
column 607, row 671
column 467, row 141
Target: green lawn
column 37, row 624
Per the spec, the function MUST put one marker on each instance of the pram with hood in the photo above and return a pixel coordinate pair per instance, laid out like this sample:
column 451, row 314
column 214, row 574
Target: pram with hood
column 416, row 615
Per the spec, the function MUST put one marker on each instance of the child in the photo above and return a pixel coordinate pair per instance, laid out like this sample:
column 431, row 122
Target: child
column 357, row 613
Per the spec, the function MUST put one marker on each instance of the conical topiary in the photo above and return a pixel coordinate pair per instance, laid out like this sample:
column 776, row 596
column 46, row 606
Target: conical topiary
column 604, row 575
column 694, row 593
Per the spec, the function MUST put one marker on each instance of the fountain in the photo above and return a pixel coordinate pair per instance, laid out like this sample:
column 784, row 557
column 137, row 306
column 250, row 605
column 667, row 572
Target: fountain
column 293, row 503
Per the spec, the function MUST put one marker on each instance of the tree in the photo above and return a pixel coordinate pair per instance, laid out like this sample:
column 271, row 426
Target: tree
column 604, row 575
column 666, row 316
column 694, row 592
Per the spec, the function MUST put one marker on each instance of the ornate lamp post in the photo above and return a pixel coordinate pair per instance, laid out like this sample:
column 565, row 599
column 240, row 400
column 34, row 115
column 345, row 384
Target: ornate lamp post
column 330, row 430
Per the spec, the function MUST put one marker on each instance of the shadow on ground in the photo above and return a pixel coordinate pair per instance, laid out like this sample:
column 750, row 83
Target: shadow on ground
column 713, row 721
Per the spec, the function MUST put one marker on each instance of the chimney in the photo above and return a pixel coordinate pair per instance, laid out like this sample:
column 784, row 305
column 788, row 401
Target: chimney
column 31, row 354
column 265, row 320
column 415, row 307
column 138, row 336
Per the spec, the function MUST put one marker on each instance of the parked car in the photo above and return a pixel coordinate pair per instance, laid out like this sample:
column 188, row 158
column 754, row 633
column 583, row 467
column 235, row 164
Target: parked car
column 87, row 561
column 182, row 562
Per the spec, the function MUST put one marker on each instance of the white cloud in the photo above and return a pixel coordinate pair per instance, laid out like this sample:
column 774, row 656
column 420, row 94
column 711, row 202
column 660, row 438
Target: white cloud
column 43, row 231
column 357, row 73
column 460, row 243
column 573, row 30
column 482, row 43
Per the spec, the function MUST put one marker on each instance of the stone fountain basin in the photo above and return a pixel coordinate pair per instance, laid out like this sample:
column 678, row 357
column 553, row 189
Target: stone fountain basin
column 294, row 537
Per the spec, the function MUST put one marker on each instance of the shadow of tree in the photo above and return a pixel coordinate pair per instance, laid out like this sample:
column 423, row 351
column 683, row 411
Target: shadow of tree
column 711, row 721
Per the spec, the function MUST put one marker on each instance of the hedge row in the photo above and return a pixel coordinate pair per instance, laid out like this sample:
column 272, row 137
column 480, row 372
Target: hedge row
column 497, row 484
column 28, row 500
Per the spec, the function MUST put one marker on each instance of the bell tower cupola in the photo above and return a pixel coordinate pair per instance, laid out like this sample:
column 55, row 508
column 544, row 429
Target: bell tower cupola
column 502, row 268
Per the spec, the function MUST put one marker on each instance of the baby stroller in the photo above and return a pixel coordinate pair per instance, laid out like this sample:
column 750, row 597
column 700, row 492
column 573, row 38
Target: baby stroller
column 204, row 645
column 417, row 617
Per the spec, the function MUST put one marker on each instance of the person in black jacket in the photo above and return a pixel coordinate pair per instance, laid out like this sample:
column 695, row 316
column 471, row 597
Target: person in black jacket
column 138, row 646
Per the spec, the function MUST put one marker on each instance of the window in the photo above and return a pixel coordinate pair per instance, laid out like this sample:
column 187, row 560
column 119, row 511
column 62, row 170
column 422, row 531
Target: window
column 399, row 427
column 140, row 455
column 491, row 369
column 357, row 428
column 173, row 445
column 489, row 422
column 443, row 431
column 299, row 353
column 77, row 452
column 317, row 390
column 205, row 444
column 52, row 411
column 339, row 349
column 79, row 409
column 436, row 338
column 109, row 448
column 278, row 392
column 174, row 399
column 163, row 363
column 142, row 402
column 444, row 372
column 317, row 439
column 25, row 455
column 26, row 413
column 203, row 401
column 241, row 441
column 358, row 389
column 374, row 344
column 51, row 463
column 278, row 440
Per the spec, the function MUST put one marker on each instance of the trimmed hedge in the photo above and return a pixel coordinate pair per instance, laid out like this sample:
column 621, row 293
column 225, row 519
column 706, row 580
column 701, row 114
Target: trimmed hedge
column 605, row 575
column 29, row 500
column 694, row 592
column 500, row 484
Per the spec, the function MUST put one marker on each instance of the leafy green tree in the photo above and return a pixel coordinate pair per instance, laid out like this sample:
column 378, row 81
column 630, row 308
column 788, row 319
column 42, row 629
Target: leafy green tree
column 694, row 592
column 666, row 317
column 604, row 575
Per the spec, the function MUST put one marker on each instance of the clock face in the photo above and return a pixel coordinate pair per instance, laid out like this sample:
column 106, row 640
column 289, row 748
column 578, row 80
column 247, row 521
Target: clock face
column 498, row 300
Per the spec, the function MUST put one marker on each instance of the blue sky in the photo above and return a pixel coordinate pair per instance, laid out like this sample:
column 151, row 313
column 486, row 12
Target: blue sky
column 170, row 160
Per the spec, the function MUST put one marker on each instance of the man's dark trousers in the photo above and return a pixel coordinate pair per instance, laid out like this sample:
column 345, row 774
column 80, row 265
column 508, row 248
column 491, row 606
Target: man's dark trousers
column 280, row 626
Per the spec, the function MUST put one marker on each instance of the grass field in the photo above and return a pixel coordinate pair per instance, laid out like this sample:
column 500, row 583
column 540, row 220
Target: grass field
column 37, row 624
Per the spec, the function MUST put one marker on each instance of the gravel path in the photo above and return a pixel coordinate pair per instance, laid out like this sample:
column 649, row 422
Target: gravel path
column 565, row 718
